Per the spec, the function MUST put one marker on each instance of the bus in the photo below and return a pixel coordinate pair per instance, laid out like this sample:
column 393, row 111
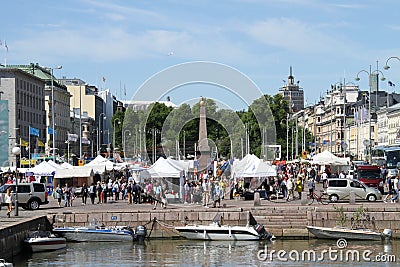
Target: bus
column 386, row 155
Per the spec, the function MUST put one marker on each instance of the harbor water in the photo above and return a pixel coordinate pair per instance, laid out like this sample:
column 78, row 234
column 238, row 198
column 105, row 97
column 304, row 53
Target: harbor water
column 220, row 253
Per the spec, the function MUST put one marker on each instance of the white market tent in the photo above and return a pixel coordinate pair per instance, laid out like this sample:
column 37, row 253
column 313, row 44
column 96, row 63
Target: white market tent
column 101, row 164
column 252, row 166
column 77, row 175
column 66, row 165
column 76, row 172
column 163, row 168
column 327, row 158
column 43, row 169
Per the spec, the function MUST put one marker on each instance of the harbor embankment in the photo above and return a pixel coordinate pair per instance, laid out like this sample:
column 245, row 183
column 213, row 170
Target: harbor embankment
column 284, row 220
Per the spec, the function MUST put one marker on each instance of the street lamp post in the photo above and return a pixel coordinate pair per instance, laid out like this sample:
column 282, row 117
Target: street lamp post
column 386, row 67
column 52, row 110
column 80, row 121
column 119, row 122
column 370, row 72
column 99, row 131
column 124, row 140
column 16, row 151
column 287, row 135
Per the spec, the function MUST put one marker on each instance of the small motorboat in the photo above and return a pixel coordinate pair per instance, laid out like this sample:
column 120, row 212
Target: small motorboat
column 44, row 241
column 348, row 233
column 96, row 233
column 216, row 231
column 3, row 263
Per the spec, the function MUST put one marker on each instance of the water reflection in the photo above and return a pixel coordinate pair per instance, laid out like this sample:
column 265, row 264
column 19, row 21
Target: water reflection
column 196, row 253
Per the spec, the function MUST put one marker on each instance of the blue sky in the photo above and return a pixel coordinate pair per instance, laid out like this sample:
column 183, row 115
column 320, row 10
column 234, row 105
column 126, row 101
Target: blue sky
column 127, row 42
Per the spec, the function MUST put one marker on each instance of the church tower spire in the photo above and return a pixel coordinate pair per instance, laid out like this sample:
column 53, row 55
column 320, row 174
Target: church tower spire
column 291, row 78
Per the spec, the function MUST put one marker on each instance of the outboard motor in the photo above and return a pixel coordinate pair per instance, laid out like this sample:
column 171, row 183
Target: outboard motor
column 141, row 233
column 387, row 233
column 263, row 234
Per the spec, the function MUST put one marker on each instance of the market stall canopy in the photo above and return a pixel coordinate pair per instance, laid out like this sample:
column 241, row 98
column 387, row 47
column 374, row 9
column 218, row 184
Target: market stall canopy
column 100, row 164
column 55, row 165
column 43, row 169
column 76, row 172
column 327, row 158
column 164, row 168
column 252, row 166
column 66, row 165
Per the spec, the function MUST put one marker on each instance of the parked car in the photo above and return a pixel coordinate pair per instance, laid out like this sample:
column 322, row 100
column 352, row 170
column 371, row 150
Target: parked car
column 30, row 195
column 340, row 188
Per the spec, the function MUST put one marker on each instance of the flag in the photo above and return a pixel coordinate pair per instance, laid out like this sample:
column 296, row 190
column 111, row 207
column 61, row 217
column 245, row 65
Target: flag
column 5, row 45
column 104, row 79
column 40, row 143
column 33, row 131
column 23, row 143
column 50, row 131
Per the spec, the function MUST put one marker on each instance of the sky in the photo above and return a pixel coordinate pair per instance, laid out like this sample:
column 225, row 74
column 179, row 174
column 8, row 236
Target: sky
column 129, row 42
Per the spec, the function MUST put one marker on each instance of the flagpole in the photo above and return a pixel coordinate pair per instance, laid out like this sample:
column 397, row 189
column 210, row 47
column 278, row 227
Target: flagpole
column 5, row 54
column 29, row 147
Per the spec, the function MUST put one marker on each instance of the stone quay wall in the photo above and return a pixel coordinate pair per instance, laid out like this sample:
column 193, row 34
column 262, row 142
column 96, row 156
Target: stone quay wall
column 12, row 236
column 288, row 222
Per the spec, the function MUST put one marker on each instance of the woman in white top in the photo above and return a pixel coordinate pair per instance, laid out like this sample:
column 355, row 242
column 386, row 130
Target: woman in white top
column 9, row 200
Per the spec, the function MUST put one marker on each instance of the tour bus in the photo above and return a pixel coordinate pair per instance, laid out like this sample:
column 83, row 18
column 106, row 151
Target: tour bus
column 386, row 155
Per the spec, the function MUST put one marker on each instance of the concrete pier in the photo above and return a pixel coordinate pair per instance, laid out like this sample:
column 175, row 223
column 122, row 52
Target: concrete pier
column 286, row 220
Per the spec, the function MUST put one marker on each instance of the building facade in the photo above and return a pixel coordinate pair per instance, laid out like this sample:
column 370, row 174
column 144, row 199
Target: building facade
column 293, row 94
column 25, row 94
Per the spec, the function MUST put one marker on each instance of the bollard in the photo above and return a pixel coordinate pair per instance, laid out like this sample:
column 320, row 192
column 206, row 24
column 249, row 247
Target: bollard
column 304, row 198
column 257, row 199
column 352, row 198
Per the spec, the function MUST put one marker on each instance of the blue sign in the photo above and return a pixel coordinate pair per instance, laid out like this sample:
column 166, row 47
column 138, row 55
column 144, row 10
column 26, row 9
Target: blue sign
column 114, row 218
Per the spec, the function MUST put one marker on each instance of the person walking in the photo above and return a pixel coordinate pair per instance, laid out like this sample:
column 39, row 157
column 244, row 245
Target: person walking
column 84, row 194
column 299, row 186
column 67, row 195
column 206, row 192
column 396, row 189
column 92, row 193
column 58, row 193
column 99, row 190
column 9, row 199
column 289, row 187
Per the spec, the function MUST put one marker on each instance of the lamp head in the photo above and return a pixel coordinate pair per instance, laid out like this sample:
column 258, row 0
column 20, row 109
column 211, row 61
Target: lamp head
column 383, row 78
column 357, row 79
column 386, row 67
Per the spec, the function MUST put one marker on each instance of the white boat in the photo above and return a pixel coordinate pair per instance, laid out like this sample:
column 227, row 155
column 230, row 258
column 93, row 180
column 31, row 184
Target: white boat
column 96, row 233
column 3, row 263
column 350, row 234
column 215, row 231
column 44, row 241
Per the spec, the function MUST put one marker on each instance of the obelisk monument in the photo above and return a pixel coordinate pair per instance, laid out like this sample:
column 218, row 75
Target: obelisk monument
column 204, row 148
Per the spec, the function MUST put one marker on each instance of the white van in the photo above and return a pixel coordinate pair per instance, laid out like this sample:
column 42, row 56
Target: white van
column 340, row 188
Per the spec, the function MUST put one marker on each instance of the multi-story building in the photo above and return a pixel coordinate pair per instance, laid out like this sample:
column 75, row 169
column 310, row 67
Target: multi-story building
column 342, row 123
column 25, row 94
column 53, row 88
column 85, row 98
column 293, row 94
column 389, row 125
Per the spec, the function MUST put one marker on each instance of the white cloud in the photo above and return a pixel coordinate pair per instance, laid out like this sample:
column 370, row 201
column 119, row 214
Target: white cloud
column 293, row 35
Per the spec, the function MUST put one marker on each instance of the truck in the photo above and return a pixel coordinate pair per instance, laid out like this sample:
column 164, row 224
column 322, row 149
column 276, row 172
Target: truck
column 371, row 176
